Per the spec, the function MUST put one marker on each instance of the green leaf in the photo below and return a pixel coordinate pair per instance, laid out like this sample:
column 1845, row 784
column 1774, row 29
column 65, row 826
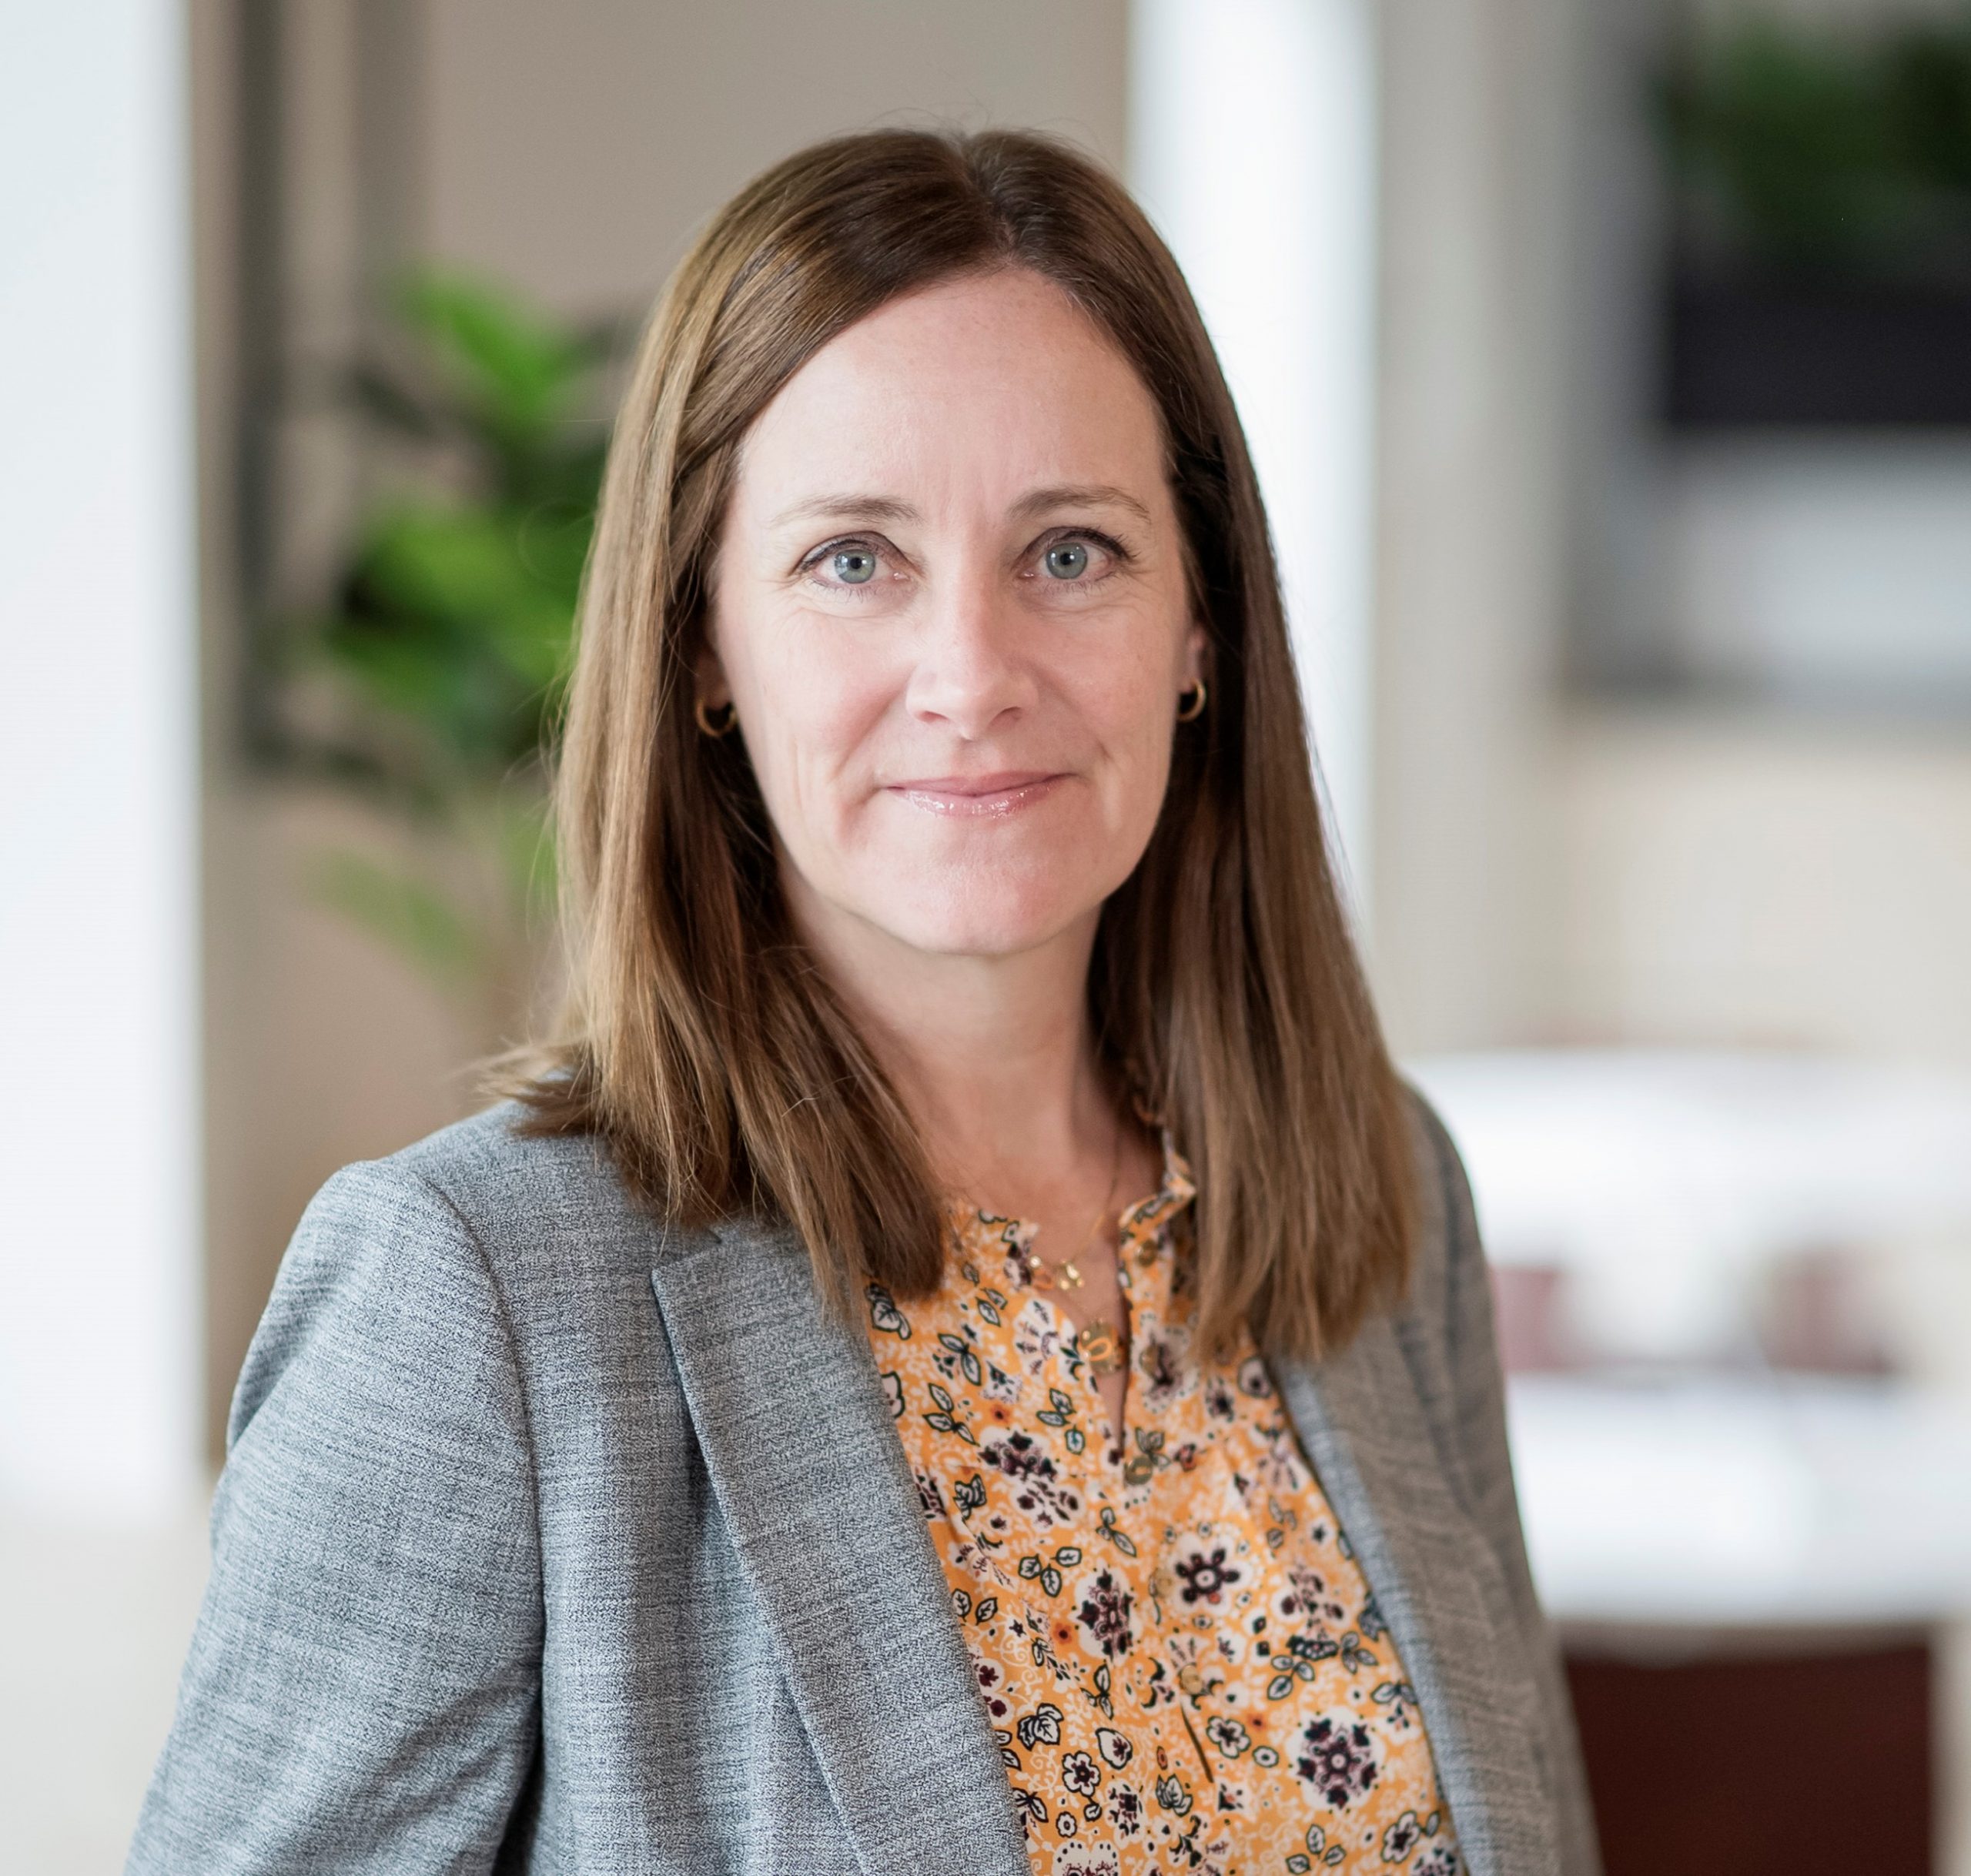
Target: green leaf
column 412, row 918
column 429, row 680
column 517, row 364
column 1837, row 150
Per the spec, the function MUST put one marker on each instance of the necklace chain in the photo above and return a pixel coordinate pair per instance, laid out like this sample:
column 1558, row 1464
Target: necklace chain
column 1101, row 1341
column 1046, row 1273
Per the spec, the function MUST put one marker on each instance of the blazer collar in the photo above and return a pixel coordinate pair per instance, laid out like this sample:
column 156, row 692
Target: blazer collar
column 824, row 1514
column 1440, row 1589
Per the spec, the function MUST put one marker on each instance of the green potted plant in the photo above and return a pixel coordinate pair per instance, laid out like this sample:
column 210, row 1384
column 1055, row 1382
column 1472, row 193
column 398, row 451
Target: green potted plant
column 428, row 684
column 1819, row 179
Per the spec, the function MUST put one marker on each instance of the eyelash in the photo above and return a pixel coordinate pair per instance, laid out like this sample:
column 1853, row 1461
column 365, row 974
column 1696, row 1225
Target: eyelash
column 1108, row 543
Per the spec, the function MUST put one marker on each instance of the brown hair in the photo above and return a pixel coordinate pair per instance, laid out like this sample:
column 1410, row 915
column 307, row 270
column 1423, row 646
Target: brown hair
column 703, row 1044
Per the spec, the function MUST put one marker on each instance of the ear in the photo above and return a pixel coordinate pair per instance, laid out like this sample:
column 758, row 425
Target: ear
column 1197, row 646
column 712, row 690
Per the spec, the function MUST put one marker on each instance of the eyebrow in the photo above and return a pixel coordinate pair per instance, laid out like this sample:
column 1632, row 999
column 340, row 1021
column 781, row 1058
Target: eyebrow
column 889, row 508
column 865, row 507
column 1081, row 495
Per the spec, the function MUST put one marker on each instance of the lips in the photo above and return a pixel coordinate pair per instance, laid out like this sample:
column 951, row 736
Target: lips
column 1000, row 793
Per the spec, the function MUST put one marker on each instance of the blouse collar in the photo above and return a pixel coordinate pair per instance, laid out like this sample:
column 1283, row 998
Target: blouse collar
column 1141, row 1224
column 1146, row 1219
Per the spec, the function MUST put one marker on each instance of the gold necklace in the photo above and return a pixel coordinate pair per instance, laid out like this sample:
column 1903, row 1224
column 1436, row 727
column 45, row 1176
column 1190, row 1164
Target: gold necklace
column 1067, row 1275
column 1101, row 1341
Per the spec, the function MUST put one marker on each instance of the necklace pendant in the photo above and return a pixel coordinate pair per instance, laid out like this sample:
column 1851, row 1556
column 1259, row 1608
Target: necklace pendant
column 1069, row 1277
column 1039, row 1275
column 1101, row 1347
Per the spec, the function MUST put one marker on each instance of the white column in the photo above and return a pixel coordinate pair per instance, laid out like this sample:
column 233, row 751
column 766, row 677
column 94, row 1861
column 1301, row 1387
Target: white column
column 1251, row 145
column 99, row 1096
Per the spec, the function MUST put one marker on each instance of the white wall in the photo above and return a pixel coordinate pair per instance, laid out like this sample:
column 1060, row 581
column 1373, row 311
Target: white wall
column 99, row 1105
column 1252, row 145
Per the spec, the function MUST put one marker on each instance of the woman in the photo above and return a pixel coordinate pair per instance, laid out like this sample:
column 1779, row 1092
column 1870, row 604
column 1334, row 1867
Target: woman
column 771, row 1444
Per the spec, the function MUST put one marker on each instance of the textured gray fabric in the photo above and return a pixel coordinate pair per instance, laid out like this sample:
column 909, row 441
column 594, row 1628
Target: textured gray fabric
column 549, row 1542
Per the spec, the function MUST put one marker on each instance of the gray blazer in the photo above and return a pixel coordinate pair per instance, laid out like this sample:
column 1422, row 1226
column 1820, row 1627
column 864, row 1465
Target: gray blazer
column 551, row 1541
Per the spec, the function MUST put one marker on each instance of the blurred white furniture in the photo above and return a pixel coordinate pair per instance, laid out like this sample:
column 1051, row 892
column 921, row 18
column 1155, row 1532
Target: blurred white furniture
column 1662, row 1184
column 1736, row 1502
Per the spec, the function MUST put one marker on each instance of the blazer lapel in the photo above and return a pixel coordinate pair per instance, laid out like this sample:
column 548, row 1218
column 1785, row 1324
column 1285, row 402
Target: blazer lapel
column 1439, row 1588
column 810, row 1477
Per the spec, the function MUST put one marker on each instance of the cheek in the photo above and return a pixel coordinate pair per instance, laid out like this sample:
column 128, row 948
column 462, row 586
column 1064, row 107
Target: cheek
column 1125, row 704
column 809, row 705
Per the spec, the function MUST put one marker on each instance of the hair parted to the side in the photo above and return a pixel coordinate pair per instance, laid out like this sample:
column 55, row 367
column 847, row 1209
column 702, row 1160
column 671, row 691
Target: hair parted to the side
column 701, row 1040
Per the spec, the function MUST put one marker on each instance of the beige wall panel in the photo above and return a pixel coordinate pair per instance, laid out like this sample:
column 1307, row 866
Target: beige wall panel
column 1759, row 881
column 1475, row 135
column 573, row 148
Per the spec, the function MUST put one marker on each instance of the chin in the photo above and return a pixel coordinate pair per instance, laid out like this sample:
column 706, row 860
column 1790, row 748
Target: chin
column 991, row 917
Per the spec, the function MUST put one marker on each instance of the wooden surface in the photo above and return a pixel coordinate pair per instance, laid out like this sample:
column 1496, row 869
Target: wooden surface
column 1815, row 1764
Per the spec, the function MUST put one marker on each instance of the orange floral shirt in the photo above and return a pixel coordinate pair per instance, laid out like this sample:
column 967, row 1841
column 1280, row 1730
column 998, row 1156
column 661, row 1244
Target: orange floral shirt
column 1183, row 1666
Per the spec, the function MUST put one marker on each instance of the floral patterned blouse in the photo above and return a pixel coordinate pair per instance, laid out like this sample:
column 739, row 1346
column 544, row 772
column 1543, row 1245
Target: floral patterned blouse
column 1182, row 1664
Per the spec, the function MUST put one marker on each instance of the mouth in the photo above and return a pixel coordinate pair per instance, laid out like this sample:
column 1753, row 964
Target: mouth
column 1002, row 793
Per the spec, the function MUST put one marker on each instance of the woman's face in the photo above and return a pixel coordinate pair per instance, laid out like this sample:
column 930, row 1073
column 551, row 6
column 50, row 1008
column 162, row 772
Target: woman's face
column 950, row 605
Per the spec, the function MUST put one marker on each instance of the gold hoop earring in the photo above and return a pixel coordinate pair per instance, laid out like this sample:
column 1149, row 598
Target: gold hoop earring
column 1194, row 706
column 707, row 728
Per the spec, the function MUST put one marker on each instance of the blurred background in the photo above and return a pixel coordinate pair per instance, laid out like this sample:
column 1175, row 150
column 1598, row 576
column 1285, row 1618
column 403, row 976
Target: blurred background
column 1609, row 365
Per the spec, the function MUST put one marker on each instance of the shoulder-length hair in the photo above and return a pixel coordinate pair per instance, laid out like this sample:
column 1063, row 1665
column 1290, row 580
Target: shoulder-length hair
column 701, row 1042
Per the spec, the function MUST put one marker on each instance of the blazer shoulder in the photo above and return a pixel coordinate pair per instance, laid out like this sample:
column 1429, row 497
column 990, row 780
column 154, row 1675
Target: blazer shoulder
column 487, row 1160
column 547, row 1213
column 527, row 1244
column 1446, row 1243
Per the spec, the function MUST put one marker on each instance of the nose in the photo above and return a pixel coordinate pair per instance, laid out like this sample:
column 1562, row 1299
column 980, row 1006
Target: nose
column 970, row 673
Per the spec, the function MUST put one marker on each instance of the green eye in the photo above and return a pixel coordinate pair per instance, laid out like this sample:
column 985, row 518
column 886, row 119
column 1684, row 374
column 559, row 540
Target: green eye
column 1067, row 560
column 853, row 565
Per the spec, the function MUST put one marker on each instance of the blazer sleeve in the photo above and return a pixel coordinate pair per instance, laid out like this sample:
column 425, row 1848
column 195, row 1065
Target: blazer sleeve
column 1478, row 1420
column 362, row 1692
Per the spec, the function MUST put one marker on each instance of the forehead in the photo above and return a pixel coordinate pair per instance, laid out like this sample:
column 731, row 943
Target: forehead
column 973, row 385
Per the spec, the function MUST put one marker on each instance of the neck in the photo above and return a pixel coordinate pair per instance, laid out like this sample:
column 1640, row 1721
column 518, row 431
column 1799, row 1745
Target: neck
column 992, row 1056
